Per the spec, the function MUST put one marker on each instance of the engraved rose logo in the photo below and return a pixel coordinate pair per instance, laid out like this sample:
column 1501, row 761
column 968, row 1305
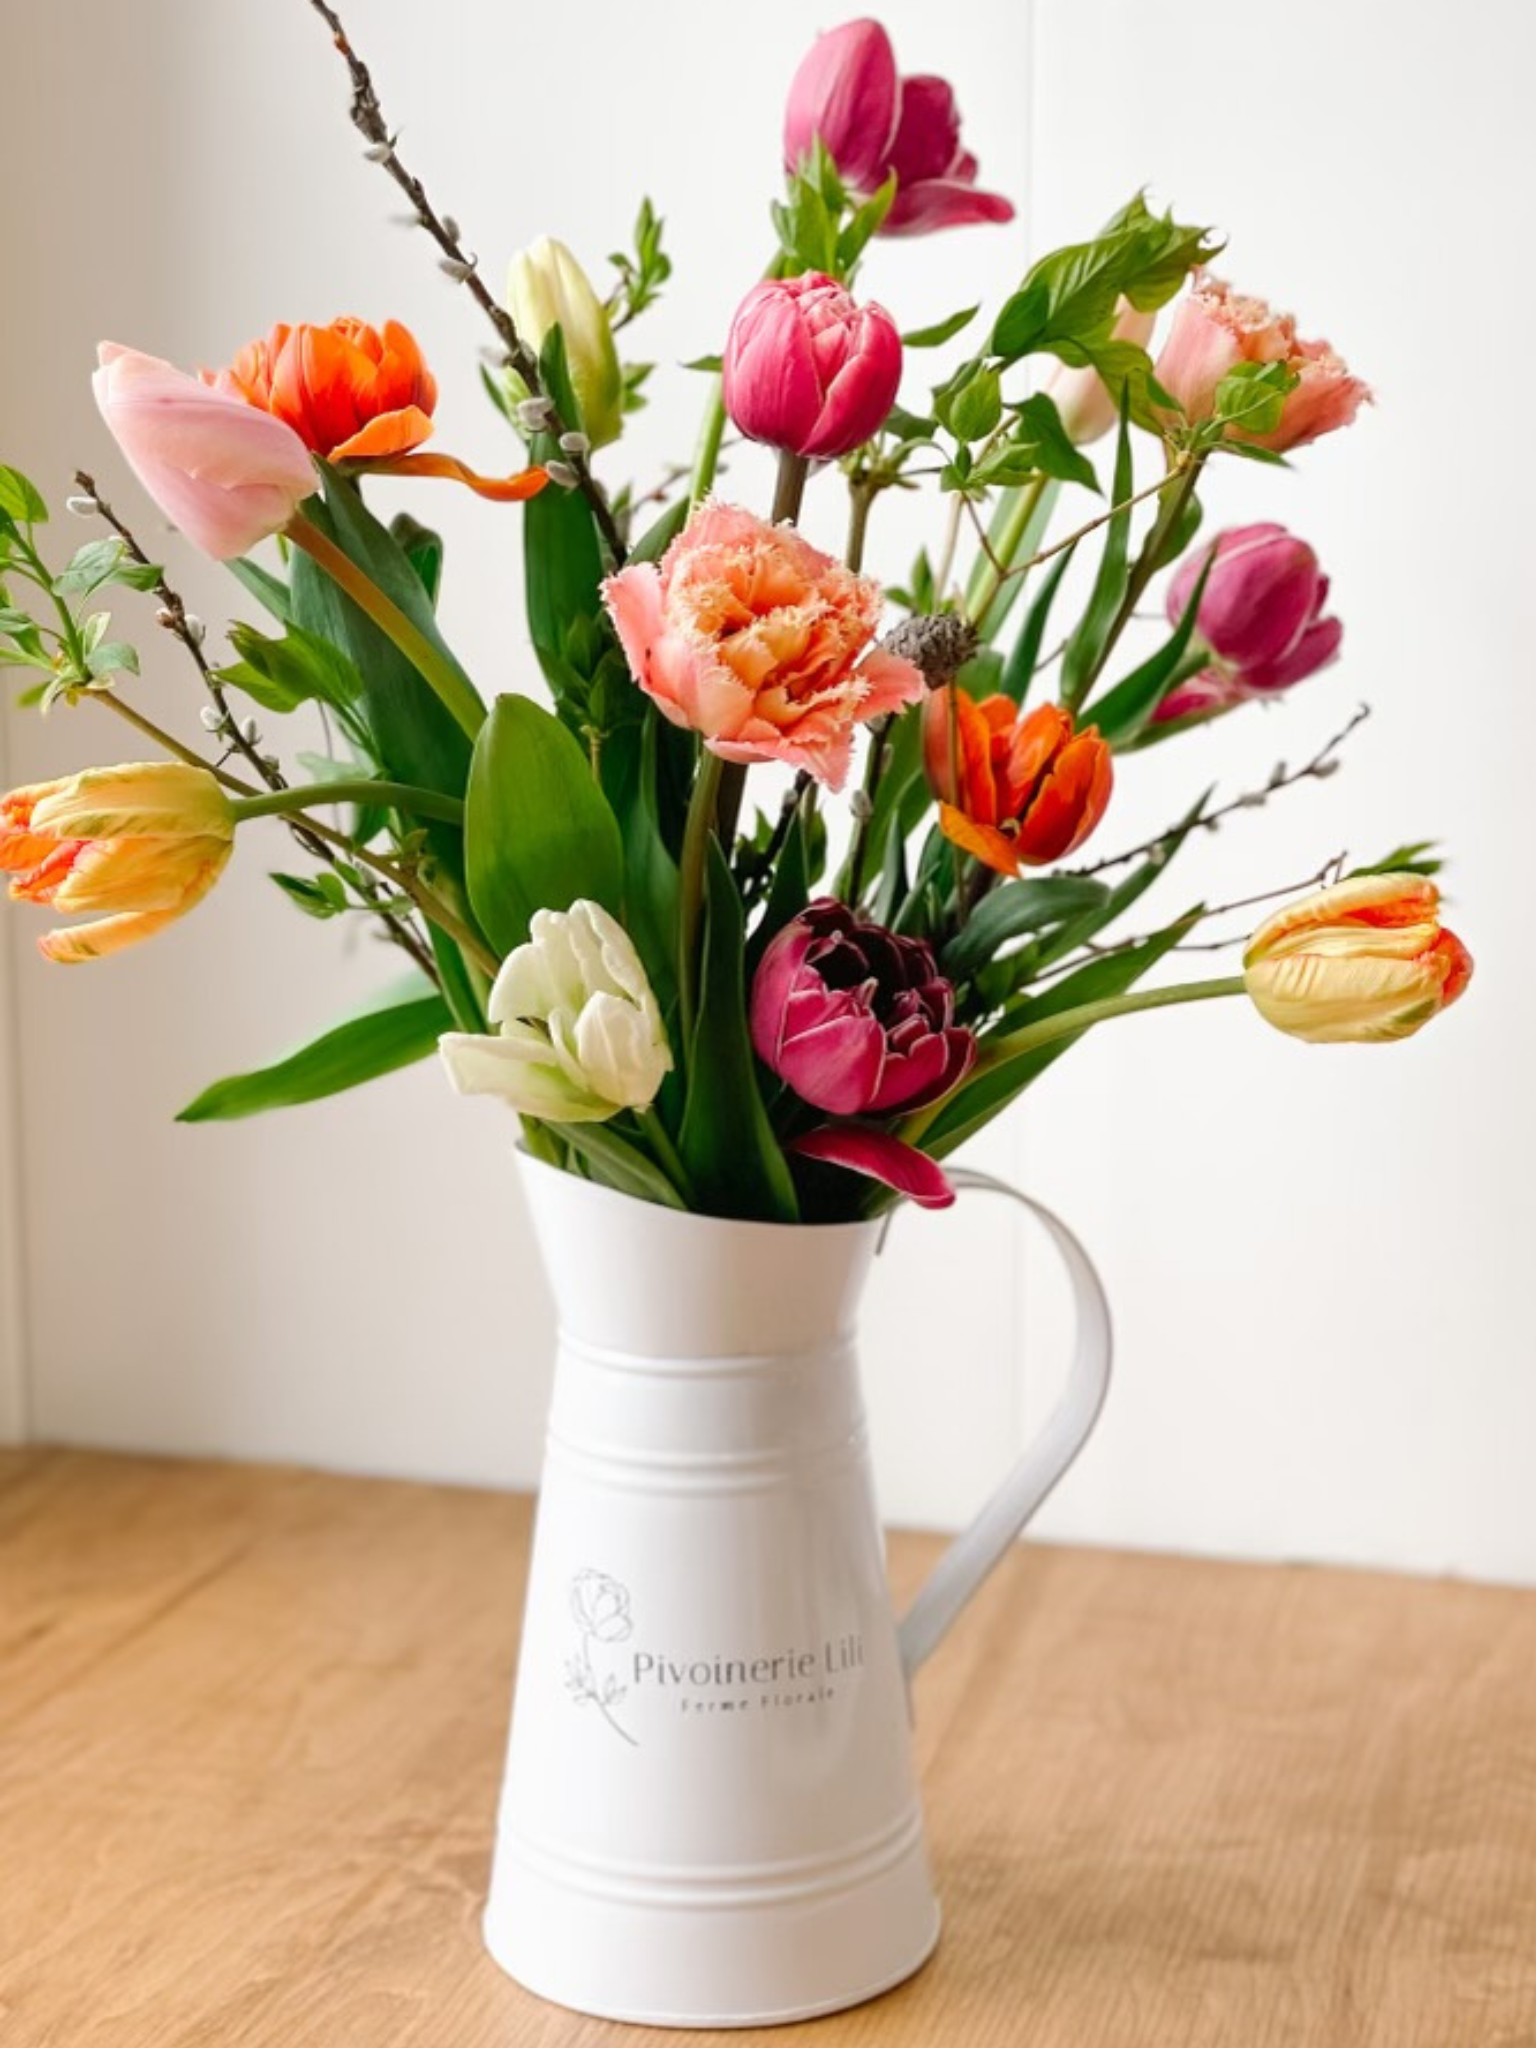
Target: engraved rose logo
column 600, row 1610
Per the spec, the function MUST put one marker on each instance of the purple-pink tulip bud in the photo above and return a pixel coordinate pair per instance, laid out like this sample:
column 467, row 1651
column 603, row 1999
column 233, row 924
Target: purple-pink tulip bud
column 872, row 121
column 1261, row 615
column 808, row 369
column 854, row 1018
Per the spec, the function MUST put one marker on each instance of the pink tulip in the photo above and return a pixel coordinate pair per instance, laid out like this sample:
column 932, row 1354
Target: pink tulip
column 873, row 122
column 809, row 370
column 227, row 474
column 1087, row 406
column 746, row 634
column 1260, row 615
column 856, row 1020
column 1215, row 329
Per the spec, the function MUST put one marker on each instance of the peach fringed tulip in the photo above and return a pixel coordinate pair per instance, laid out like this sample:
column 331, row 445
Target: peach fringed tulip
column 1215, row 329
column 1365, row 960
column 141, row 845
column 749, row 636
column 1016, row 790
column 226, row 475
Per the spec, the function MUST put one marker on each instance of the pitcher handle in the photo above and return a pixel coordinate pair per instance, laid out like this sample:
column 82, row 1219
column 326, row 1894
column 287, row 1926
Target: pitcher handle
column 978, row 1549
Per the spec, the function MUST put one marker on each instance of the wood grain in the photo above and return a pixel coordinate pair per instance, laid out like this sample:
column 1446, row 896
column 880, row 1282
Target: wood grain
column 251, row 1725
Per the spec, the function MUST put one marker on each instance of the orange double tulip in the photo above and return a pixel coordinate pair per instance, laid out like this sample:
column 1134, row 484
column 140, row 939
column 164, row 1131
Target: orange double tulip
column 359, row 395
column 349, row 391
column 1015, row 789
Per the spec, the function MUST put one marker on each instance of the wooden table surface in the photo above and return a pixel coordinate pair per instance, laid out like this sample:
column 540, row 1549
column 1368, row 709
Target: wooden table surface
column 251, row 1725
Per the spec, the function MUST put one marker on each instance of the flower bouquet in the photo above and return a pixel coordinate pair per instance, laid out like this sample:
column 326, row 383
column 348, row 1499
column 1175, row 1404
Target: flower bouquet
column 759, row 1009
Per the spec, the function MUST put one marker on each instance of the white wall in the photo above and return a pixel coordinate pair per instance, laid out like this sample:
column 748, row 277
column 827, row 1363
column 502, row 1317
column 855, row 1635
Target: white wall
column 1327, row 1343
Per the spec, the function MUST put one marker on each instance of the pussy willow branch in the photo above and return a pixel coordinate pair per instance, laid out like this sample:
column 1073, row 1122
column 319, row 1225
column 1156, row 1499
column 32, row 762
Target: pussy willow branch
column 1082, row 955
column 946, row 566
column 175, row 621
column 397, row 928
column 461, row 266
column 1070, row 540
column 1322, row 764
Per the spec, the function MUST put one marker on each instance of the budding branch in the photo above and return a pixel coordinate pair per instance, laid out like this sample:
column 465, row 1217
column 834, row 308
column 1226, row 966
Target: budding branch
column 368, row 119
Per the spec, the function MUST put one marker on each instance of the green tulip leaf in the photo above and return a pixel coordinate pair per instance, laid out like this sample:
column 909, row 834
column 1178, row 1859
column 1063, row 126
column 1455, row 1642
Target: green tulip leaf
column 362, row 1049
column 562, row 554
column 727, row 1143
column 992, row 1089
column 414, row 736
column 539, row 831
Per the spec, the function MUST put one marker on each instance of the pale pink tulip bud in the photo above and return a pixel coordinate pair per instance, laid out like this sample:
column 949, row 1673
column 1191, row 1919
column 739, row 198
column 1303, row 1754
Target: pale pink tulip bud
column 1087, row 406
column 226, row 473
column 1261, row 615
column 809, row 370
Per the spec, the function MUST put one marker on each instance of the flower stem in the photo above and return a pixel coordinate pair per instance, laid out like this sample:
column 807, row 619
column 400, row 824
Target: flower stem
column 790, row 487
column 434, row 668
column 997, row 1050
column 987, row 581
column 1178, row 487
column 861, row 496
column 851, row 882
column 395, row 796
column 690, row 902
column 946, row 564
column 706, row 454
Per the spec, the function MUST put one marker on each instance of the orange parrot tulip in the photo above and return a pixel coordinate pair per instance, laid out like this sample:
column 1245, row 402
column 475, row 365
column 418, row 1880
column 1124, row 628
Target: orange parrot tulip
column 139, row 845
column 1015, row 789
column 1367, row 959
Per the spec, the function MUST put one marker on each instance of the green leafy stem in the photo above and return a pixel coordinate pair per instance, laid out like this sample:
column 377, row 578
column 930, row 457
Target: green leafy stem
column 361, row 789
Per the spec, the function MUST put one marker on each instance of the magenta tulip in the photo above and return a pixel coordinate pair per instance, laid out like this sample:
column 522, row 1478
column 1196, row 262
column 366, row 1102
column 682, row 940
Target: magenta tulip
column 872, row 121
column 226, row 473
column 1260, row 616
column 808, row 369
column 856, row 1020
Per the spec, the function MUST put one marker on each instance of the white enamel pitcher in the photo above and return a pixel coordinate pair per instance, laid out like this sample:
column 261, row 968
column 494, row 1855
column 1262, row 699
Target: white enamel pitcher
column 710, row 1817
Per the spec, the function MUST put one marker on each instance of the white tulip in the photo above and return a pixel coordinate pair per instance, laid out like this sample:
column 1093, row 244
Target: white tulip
column 579, row 1034
column 547, row 287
